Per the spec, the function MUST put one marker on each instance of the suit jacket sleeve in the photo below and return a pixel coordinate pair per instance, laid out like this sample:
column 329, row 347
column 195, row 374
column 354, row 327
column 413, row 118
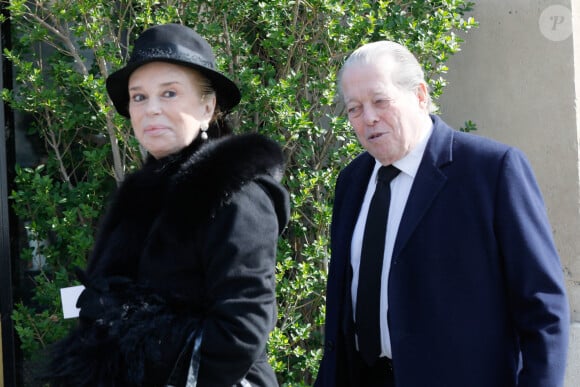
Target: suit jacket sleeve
column 240, row 259
column 535, row 279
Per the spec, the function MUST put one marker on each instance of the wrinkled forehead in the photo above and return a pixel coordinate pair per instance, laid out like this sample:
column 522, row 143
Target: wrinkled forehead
column 367, row 77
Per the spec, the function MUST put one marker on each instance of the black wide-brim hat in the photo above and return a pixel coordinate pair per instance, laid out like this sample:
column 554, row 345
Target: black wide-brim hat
column 173, row 43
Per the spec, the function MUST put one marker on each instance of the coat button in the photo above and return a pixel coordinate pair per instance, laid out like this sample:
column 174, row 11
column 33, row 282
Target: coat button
column 330, row 345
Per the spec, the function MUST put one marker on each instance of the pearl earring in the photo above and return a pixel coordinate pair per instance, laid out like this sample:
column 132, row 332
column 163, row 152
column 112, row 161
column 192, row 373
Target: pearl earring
column 204, row 127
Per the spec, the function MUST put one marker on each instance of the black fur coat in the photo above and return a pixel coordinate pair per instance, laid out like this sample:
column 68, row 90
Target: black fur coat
column 189, row 239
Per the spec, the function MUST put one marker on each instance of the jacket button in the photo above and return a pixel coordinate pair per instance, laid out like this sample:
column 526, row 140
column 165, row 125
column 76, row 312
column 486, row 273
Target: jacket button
column 330, row 345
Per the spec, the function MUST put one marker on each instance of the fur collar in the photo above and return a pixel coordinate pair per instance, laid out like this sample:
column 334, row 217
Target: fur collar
column 209, row 174
column 195, row 181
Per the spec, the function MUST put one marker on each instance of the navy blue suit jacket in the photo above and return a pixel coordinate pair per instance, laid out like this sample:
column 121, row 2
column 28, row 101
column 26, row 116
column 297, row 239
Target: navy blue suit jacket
column 476, row 291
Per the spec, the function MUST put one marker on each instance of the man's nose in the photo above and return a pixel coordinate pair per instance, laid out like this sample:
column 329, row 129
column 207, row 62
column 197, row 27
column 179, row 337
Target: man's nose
column 370, row 116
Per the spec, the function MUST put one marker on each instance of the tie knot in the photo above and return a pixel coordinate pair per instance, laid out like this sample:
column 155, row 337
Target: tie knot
column 388, row 173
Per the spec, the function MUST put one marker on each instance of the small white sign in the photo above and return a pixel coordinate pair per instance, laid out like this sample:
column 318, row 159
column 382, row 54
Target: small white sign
column 69, row 297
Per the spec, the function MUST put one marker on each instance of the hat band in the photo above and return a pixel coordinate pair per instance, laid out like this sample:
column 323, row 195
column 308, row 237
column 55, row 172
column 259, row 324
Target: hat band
column 169, row 53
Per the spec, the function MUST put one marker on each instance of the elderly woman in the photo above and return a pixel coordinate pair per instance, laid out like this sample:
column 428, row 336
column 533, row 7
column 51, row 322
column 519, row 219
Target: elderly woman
column 180, row 287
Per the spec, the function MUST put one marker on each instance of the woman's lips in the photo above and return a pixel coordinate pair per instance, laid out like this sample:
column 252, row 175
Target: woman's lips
column 155, row 130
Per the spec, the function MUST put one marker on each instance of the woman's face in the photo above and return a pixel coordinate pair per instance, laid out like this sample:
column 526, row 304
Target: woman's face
column 166, row 107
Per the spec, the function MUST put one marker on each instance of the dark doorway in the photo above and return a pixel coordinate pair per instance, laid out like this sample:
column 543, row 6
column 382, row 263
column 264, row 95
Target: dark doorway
column 10, row 374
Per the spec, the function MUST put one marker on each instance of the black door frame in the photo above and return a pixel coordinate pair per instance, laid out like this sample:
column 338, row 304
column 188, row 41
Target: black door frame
column 7, row 217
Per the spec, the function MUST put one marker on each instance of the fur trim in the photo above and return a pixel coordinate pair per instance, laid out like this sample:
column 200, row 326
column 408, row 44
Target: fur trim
column 117, row 349
column 222, row 167
column 184, row 189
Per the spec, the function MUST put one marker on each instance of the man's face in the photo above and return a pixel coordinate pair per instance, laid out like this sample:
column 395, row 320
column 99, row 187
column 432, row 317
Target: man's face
column 387, row 120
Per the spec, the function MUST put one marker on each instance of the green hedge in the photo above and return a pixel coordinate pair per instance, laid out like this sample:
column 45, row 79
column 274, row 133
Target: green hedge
column 285, row 55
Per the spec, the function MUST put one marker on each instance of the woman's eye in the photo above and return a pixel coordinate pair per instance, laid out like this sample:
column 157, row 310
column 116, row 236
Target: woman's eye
column 137, row 97
column 169, row 94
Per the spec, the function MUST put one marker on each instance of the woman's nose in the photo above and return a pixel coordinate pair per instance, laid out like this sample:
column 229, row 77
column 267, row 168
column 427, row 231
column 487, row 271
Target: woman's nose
column 153, row 106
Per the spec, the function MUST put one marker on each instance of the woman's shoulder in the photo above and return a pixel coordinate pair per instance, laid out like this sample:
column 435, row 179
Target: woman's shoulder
column 227, row 163
column 220, row 169
column 244, row 156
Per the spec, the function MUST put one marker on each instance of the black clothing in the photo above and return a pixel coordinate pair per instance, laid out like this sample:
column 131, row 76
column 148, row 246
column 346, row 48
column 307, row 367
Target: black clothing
column 195, row 235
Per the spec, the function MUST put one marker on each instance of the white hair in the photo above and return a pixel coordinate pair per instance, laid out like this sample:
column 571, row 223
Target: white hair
column 408, row 73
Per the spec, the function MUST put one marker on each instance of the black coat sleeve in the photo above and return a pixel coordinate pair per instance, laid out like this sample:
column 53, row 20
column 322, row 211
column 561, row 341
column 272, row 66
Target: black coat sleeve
column 240, row 257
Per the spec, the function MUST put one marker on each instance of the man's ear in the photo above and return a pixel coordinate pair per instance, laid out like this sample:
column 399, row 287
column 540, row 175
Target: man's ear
column 423, row 95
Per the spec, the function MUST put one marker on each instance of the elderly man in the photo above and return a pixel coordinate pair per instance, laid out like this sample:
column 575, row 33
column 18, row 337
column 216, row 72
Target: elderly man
column 443, row 270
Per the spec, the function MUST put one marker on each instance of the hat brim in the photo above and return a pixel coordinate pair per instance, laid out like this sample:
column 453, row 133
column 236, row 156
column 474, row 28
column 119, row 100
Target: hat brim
column 227, row 92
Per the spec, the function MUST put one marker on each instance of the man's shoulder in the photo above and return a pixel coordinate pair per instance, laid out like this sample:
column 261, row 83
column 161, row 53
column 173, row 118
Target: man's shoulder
column 364, row 161
column 479, row 143
column 472, row 143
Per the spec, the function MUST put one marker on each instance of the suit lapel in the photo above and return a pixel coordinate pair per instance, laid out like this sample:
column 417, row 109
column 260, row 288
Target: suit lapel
column 356, row 188
column 353, row 189
column 428, row 182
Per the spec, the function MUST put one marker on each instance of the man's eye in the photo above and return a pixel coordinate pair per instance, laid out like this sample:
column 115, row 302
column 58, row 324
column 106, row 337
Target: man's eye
column 354, row 110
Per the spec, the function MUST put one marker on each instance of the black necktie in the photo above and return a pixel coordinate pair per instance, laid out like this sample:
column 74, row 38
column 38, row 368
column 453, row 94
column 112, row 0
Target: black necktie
column 371, row 266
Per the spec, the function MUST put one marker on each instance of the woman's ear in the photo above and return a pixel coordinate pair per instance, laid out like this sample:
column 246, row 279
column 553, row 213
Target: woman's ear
column 209, row 106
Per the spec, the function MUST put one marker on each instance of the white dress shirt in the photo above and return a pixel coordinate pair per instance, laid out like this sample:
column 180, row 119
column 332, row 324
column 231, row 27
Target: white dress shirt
column 400, row 189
